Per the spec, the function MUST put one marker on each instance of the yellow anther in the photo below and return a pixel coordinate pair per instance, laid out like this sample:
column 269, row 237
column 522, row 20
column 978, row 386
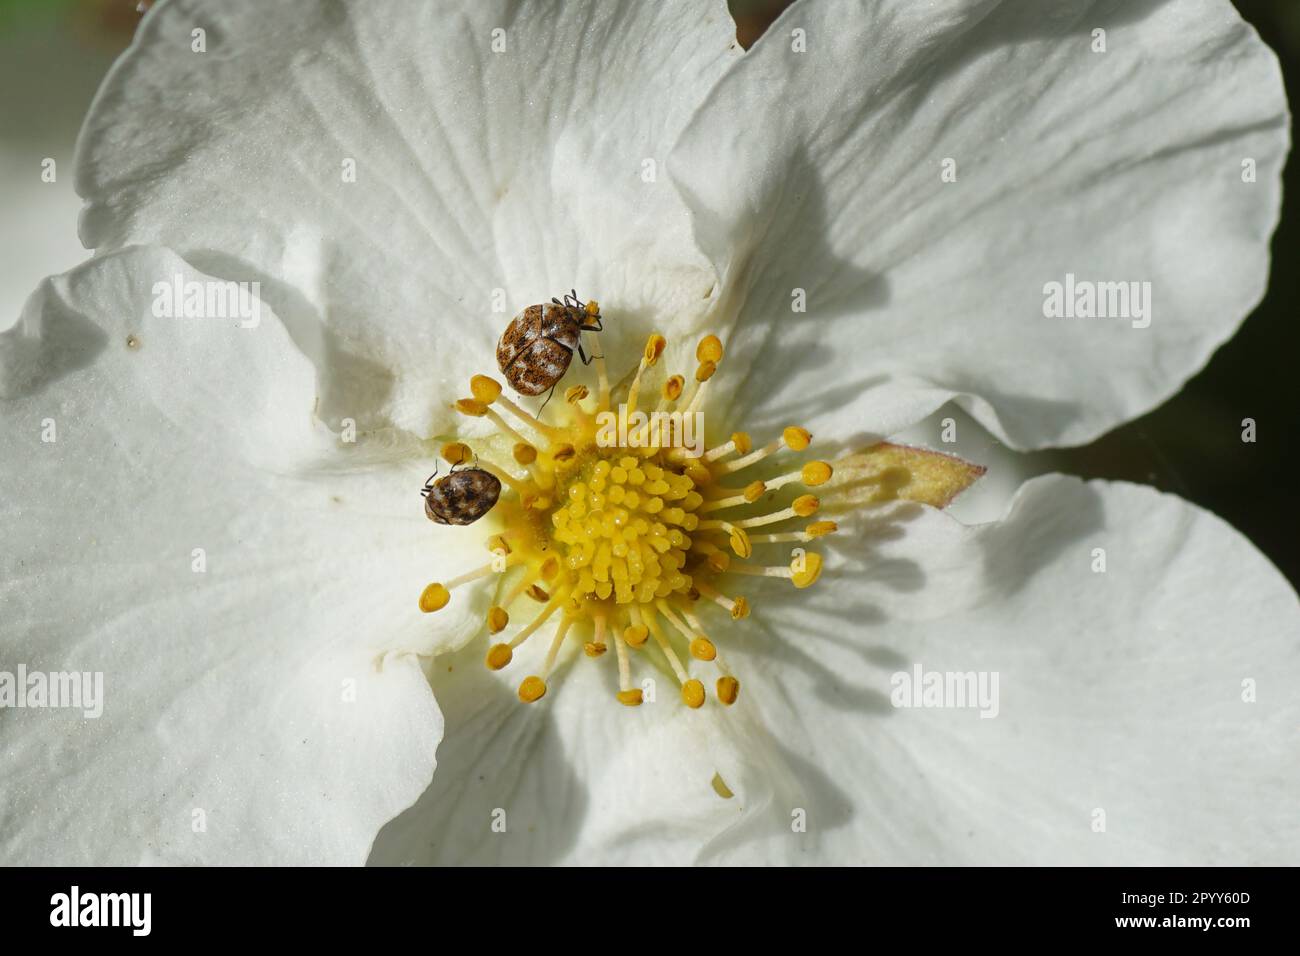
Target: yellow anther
column 434, row 598
column 808, row 570
column 498, row 542
column 538, row 593
column 728, row 690
column 592, row 649
column 673, row 388
column 697, row 472
column 593, row 308
column 819, row 528
column 497, row 619
column 754, row 490
column 575, row 393
column 815, row 473
column 454, row 452
column 702, row 649
column 693, row 694
column 796, row 438
column 705, row 371
column 486, row 390
column 744, row 444
column 739, row 541
column 550, row 568
column 562, row 452
column 636, row 635
column 471, row 406
column 719, row 560
column 631, row 698
column 532, row 688
column 654, row 347
column 739, row 609
column 524, row 453
column 806, row 505
column 498, row 656
column 709, row 349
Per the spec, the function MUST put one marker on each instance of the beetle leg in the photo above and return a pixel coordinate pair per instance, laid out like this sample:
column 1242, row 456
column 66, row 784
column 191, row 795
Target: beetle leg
column 548, row 398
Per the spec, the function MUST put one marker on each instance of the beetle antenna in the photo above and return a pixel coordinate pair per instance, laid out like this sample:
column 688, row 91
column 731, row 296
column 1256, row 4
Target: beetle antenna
column 428, row 483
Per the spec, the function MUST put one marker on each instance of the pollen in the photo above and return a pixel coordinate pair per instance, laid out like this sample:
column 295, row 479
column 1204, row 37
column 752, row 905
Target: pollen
column 638, row 546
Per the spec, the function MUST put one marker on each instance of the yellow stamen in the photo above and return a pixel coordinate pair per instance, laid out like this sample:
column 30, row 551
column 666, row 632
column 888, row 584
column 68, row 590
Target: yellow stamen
column 739, row 607
column 596, row 646
column 674, row 661
column 532, row 689
column 485, row 389
column 728, row 690
column 751, row 458
column 817, row 529
column 530, row 420
column 747, row 496
column 471, row 407
column 654, row 347
column 816, row 473
column 803, row 570
column 709, row 349
column 538, row 621
column 693, row 694
column 802, row 507
column 796, row 438
column 455, row 453
column 434, row 598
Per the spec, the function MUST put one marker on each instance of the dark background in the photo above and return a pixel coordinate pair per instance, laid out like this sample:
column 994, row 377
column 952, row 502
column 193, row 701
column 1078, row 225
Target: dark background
column 54, row 52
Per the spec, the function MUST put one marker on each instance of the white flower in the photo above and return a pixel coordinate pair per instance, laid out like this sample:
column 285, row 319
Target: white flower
column 202, row 533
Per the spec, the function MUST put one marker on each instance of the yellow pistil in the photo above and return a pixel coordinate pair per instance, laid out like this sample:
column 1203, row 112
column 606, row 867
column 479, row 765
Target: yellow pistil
column 619, row 540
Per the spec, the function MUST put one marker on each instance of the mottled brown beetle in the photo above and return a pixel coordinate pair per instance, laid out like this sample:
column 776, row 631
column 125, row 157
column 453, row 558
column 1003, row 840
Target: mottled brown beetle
column 537, row 346
column 462, row 497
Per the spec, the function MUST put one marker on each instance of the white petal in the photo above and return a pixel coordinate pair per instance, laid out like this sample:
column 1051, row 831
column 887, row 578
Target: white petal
column 265, row 686
column 575, row 778
column 484, row 180
column 1120, row 691
column 1122, row 166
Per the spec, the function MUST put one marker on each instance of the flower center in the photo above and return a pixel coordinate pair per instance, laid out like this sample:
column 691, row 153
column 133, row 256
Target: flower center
column 623, row 525
column 624, row 532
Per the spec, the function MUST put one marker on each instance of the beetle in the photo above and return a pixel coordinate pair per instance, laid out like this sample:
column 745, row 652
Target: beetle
column 537, row 346
column 460, row 497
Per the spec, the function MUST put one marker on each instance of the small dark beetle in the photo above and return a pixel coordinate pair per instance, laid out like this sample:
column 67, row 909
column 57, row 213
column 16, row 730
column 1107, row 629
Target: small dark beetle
column 537, row 346
column 462, row 497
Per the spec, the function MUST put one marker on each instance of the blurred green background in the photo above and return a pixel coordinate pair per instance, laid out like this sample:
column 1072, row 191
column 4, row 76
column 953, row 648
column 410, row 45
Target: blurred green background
column 53, row 54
